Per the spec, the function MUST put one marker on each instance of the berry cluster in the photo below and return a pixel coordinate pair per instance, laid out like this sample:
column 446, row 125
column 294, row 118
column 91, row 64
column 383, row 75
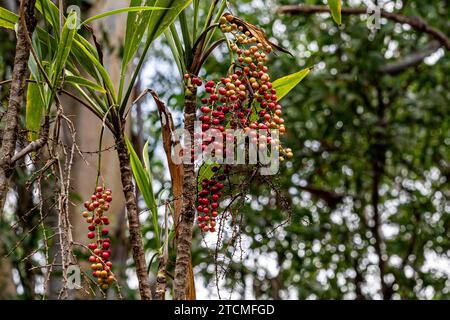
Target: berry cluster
column 209, row 197
column 244, row 99
column 95, row 215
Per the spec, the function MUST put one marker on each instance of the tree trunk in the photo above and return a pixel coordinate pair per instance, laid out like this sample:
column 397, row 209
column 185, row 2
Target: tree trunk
column 185, row 225
column 18, row 85
column 7, row 286
column 133, row 218
column 176, row 173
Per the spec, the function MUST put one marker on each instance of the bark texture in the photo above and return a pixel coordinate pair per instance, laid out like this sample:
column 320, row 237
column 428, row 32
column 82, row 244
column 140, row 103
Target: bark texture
column 133, row 219
column 186, row 222
column 18, row 85
column 161, row 280
column 176, row 174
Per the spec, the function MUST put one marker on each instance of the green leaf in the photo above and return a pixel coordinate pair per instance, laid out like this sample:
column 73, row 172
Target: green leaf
column 121, row 10
column 7, row 18
column 50, row 12
column 335, row 8
column 143, row 181
column 100, row 68
column 156, row 24
column 286, row 84
column 34, row 109
column 84, row 83
column 137, row 23
column 161, row 20
column 64, row 48
column 147, row 162
column 205, row 172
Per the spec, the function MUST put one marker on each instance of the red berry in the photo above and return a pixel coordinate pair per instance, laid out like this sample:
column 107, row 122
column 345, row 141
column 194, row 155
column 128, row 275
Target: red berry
column 105, row 231
column 91, row 235
column 99, row 189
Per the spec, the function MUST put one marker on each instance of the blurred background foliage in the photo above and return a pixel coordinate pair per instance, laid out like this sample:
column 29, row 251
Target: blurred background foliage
column 367, row 189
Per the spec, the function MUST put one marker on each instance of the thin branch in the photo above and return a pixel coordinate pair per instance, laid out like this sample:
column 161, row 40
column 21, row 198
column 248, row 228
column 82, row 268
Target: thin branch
column 415, row 22
column 410, row 60
column 34, row 145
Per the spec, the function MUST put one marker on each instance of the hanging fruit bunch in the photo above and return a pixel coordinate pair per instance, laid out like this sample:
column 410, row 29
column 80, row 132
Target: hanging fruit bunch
column 243, row 99
column 95, row 215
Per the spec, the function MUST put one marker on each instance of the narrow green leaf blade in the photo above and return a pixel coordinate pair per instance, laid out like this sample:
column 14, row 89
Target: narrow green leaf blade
column 143, row 183
column 161, row 20
column 7, row 18
column 335, row 8
column 121, row 10
column 50, row 12
column 285, row 84
column 64, row 47
column 74, row 80
column 34, row 110
column 147, row 162
column 100, row 68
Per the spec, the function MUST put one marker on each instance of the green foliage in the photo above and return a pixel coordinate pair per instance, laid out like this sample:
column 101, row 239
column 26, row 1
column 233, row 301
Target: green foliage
column 39, row 97
column 80, row 81
column 155, row 24
column 335, row 8
column 34, row 109
column 121, row 10
column 63, row 50
column 143, row 177
column 285, row 84
column 7, row 19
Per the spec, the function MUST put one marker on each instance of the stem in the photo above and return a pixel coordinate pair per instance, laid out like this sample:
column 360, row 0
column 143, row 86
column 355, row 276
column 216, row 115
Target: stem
column 161, row 280
column 99, row 160
column 185, row 226
column 133, row 218
column 124, row 102
column 18, row 85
